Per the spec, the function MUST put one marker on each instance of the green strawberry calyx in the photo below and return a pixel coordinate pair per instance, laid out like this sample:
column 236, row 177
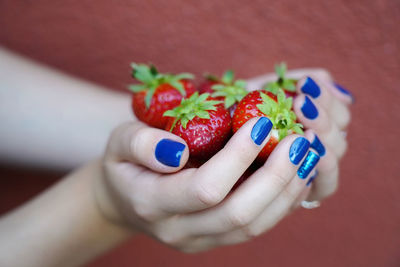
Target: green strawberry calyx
column 232, row 90
column 194, row 106
column 282, row 81
column 280, row 114
column 150, row 79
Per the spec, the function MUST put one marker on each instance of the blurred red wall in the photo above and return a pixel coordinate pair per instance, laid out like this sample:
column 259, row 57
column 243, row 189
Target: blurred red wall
column 358, row 41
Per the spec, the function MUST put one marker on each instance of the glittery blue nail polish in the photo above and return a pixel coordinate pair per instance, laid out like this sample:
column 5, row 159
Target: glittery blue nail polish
column 318, row 146
column 298, row 150
column 169, row 152
column 344, row 91
column 312, row 178
column 309, row 110
column 308, row 165
column 311, row 88
column 261, row 130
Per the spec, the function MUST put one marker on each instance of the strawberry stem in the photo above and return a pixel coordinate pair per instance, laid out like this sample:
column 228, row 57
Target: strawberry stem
column 282, row 82
column 151, row 79
column 194, row 106
column 280, row 113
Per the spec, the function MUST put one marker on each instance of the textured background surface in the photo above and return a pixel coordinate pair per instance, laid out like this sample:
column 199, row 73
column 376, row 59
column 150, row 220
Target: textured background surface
column 358, row 41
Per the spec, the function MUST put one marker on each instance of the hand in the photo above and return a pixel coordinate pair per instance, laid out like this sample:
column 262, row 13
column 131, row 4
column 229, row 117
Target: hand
column 194, row 209
column 332, row 105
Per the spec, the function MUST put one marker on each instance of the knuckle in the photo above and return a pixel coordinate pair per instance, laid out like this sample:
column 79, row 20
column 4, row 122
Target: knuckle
column 322, row 74
column 239, row 219
column 289, row 195
column 170, row 239
column 340, row 150
column 279, row 180
column 346, row 118
column 137, row 140
column 121, row 128
column 251, row 232
column 208, row 195
column 145, row 213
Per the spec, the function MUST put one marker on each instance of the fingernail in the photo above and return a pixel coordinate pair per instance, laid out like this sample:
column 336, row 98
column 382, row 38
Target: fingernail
column 169, row 152
column 309, row 110
column 311, row 88
column 261, row 130
column 312, row 178
column 344, row 91
column 298, row 150
column 318, row 146
column 308, row 165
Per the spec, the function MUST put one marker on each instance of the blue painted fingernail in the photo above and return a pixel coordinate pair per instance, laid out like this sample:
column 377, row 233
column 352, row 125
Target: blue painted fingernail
column 169, row 152
column 318, row 146
column 298, row 150
column 308, row 165
column 312, row 178
column 309, row 110
column 261, row 130
column 344, row 91
column 311, row 88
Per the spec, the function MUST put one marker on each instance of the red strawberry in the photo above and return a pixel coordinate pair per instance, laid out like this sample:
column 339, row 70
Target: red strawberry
column 202, row 122
column 205, row 87
column 227, row 89
column 157, row 93
column 288, row 85
column 277, row 108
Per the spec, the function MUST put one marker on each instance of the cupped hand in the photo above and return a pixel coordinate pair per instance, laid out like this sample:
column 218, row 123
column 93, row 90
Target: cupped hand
column 144, row 186
column 322, row 106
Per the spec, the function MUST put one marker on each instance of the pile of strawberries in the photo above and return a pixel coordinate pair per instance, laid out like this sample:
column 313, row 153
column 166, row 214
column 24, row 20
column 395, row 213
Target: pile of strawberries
column 207, row 117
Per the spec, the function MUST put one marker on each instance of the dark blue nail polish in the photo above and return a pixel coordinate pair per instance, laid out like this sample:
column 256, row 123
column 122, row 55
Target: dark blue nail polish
column 308, row 165
column 311, row 88
column 309, row 110
column 169, row 152
column 312, row 178
column 344, row 91
column 261, row 130
column 298, row 150
column 318, row 146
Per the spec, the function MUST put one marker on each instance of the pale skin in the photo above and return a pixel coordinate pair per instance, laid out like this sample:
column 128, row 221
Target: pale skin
column 127, row 191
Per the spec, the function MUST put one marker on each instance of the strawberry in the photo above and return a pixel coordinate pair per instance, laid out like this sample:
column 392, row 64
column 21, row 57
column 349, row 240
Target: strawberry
column 210, row 80
column 288, row 85
column 202, row 122
column 227, row 89
column 278, row 108
column 157, row 93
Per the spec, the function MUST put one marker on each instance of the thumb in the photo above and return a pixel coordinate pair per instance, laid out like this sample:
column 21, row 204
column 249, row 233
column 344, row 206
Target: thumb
column 156, row 149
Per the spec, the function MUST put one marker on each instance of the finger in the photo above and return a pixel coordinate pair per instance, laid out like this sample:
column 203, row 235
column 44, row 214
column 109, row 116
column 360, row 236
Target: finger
column 327, row 172
column 341, row 93
column 207, row 186
column 257, row 83
column 155, row 149
column 314, row 117
column 257, row 192
column 321, row 94
column 325, row 181
column 280, row 206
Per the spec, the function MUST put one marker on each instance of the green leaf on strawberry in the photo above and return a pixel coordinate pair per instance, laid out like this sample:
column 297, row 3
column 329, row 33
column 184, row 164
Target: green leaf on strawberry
column 151, row 79
column 282, row 81
column 196, row 105
column 232, row 91
column 280, row 113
